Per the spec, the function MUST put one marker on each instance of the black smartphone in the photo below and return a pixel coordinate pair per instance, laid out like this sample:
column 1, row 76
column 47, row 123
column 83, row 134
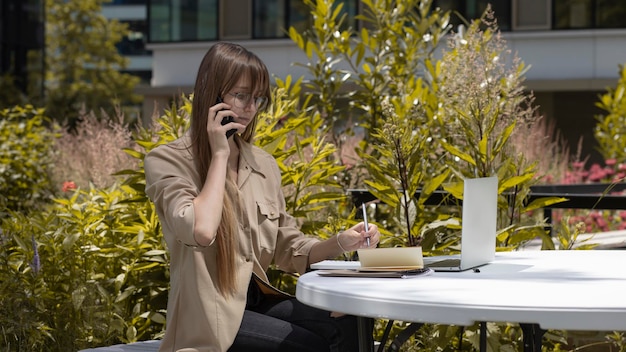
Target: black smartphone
column 227, row 119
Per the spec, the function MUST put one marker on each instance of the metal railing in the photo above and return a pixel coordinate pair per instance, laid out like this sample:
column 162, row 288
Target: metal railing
column 597, row 196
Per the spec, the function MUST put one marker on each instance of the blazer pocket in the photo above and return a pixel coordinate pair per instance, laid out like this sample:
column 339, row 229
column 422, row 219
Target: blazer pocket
column 269, row 210
column 268, row 223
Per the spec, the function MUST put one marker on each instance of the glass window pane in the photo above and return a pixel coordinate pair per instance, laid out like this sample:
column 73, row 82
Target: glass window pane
column 135, row 42
column 22, row 46
column 350, row 7
column 206, row 20
column 473, row 9
column 610, row 14
column 572, row 14
column 126, row 2
column 182, row 20
column 298, row 15
column 159, row 16
column 269, row 19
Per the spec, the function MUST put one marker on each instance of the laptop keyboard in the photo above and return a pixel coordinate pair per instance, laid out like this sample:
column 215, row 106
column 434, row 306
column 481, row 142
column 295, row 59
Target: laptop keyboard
column 444, row 263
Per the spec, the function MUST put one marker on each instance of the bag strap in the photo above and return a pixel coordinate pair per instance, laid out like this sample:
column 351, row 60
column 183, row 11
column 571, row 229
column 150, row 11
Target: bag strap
column 404, row 335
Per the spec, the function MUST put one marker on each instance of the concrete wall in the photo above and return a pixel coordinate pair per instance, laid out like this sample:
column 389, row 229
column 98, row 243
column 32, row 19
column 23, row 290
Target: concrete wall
column 588, row 58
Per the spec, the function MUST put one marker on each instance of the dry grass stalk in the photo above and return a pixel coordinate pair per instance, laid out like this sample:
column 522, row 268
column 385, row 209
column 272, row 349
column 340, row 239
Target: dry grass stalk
column 93, row 152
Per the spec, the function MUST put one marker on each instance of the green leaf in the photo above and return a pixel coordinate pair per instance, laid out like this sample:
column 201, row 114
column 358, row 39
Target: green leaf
column 458, row 153
column 544, row 202
column 514, row 181
column 145, row 266
column 455, row 189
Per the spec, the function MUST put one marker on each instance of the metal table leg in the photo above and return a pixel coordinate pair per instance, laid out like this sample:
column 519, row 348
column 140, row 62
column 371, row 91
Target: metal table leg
column 483, row 336
column 533, row 335
column 365, row 329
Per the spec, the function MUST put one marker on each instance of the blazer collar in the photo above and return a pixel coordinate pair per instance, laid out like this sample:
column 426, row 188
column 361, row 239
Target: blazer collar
column 247, row 161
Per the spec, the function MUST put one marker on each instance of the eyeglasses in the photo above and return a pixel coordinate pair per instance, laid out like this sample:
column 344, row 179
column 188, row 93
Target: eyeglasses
column 242, row 101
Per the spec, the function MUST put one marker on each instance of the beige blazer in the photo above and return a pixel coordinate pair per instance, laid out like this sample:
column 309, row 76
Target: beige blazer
column 198, row 317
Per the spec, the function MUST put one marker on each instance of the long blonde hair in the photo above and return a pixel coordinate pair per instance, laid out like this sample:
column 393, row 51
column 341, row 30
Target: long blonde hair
column 220, row 70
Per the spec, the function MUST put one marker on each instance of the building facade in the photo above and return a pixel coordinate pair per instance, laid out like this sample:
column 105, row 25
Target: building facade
column 574, row 47
column 22, row 45
column 134, row 14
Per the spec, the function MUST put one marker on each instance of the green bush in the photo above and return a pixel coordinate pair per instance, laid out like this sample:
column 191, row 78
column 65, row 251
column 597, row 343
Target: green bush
column 10, row 93
column 297, row 139
column 25, row 158
column 87, row 270
column 612, row 126
column 428, row 124
column 425, row 129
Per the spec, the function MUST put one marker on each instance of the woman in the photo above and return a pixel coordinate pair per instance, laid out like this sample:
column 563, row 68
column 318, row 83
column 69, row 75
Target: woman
column 222, row 210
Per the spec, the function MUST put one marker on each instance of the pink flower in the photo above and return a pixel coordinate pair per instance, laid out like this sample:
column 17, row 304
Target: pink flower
column 68, row 186
column 602, row 224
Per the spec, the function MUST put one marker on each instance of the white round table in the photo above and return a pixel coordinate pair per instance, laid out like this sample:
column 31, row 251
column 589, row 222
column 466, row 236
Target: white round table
column 565, row 290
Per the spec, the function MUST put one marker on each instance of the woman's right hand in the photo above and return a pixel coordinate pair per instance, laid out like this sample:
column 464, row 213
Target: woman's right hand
column 215, row 130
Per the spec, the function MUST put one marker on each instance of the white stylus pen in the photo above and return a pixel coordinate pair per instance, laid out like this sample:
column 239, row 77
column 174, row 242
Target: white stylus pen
column 365, row 222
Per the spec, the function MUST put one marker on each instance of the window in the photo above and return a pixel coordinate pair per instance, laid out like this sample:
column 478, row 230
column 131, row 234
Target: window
column 470, row 10
column 203, row 20
column 573, row 14
column 272, row 18
column 182, row 20
column 126, row 2
column 22, row 45
column 610, row 14
column 298, row 16
column 582, row 14
column 159, row 21
column 135, row 42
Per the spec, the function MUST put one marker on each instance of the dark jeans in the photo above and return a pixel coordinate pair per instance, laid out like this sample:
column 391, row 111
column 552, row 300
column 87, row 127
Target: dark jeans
column 288, row 325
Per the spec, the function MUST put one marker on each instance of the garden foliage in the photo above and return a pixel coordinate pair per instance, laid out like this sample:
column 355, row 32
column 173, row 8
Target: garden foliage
column 86, row 265
column 10, row 93
column 89, row 270
column 381, row 61
column 428, row 131
column 83, row 65
column 25, row 159
column 611, row 127
column 432, row 116
column 481, row 105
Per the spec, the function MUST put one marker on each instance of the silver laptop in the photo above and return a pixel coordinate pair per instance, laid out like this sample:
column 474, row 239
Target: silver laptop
column 478, row 233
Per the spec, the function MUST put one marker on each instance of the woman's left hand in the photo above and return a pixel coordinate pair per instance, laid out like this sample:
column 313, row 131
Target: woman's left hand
column 356, row 237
